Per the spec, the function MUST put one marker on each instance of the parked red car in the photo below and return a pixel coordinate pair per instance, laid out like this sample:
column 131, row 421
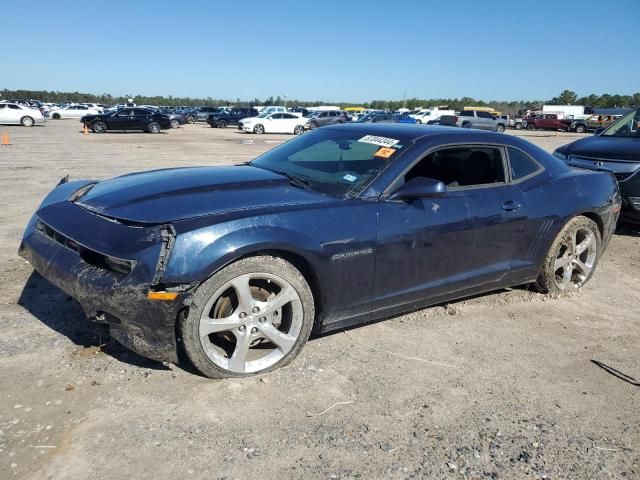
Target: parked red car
column 548, row 121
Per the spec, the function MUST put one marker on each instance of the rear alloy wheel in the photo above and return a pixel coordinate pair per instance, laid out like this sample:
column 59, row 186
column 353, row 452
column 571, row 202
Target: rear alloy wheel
column 518, row 126
column 572, row 258
column 27, row 121
column 191, row 119
column 99, row 127
column 175, row 123
column 251, row 317
column 313, row 126
column 154, row 127
column 500, row 129
column 299, row 130
column 259, row 129
column 531, row 126
column 418, row 121
column 580, row 128
column 222, row 124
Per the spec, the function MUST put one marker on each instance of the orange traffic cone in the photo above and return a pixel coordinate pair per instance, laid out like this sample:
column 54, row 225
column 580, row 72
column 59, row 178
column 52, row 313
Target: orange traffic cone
column 86, row 130
column 5, row 139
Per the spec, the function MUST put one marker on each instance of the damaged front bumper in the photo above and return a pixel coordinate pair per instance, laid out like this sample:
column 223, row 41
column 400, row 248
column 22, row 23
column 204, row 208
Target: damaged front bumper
column 68, row 246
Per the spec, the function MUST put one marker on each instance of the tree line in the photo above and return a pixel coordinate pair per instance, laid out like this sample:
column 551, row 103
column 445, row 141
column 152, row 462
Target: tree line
column 567, row 97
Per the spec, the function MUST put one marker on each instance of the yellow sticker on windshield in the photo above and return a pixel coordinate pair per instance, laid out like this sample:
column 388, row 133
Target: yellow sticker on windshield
column 384, row 152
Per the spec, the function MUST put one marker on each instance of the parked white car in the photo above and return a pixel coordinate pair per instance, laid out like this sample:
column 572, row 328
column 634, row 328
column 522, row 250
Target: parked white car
column 72, row 111
column 14, row 114
column 95, row 106
column 274, row 123
column 425, row 116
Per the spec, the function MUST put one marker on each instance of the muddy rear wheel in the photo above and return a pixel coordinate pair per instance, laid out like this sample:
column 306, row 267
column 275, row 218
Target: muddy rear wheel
column 572, row 258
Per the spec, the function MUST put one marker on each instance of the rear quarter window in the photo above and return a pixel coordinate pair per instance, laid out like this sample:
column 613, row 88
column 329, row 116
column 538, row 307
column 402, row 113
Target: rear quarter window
column 521, row 164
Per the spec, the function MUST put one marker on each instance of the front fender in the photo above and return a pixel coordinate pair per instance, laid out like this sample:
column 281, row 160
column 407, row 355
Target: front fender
column 198, row 254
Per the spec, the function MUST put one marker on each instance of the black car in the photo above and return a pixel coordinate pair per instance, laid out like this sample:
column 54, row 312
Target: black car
column 615, row 149
column 444, row 120
column 379, row 118
column 230, row 117
column 128, row 119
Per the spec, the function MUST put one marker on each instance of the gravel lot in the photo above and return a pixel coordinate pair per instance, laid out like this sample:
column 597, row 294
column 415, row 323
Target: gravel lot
column 507, row 385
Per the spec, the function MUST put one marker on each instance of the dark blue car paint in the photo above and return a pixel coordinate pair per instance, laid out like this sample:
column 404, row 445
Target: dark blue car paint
column 365, row 258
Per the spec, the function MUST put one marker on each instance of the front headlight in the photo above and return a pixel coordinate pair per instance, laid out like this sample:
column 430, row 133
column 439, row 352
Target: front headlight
column 560, row 156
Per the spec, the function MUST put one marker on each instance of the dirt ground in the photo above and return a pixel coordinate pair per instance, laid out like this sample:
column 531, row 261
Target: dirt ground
column 507, row 385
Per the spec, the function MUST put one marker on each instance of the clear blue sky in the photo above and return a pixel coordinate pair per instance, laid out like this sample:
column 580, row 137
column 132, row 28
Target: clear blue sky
column 344, row 50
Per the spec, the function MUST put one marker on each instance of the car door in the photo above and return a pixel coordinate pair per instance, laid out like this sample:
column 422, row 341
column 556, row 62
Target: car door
column 273, row 123
column 13, row 113
column 121, row 119
column 140, row 120
column 5, row 114
column 459, row 240
column 485, row 121
column 289, row 122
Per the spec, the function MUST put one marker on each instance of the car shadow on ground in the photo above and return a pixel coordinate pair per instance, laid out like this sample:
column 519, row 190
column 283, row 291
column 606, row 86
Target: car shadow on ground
column 63, row 314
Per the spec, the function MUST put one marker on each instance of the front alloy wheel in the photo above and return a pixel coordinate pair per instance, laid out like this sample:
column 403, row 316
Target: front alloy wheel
column 251, row 317
column 99, row 127
column 299, row 130
column 259, row 129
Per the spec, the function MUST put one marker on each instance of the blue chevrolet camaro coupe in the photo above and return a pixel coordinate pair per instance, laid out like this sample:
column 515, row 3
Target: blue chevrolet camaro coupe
column 342, row 225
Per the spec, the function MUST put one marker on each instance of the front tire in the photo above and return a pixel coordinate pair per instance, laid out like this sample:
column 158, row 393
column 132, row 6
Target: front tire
column 580, row 129
column 154, row 127
column 258, row 129
column 313, row 126
column 249, row 318
column 531, row 126
column 572, row 258
column 299, row 130
column 56, row 116
column 518, row 126
column 99, row 127
column 418, row 122
column 27, row 121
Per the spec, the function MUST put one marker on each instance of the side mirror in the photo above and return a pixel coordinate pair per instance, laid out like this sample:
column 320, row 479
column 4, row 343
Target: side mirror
column 419, row 187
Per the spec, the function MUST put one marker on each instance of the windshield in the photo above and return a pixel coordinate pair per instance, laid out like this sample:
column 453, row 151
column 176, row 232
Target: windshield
column 263, row 115
column 627, row 126
column 335, row 162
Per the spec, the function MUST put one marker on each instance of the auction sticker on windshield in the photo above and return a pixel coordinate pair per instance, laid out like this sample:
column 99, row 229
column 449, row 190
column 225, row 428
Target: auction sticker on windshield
column 384, row 152
column 381, row 141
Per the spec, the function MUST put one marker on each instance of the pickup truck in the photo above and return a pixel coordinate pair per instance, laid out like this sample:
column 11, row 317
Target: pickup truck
column 594, row 122
column 230, row 117
column 548, row 121
column 480, row 120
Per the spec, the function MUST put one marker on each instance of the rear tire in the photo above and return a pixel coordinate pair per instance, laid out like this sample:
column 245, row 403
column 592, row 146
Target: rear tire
column 313, row 126
column 222, row 124
column 175, row 123
column 191, row 119
column 500, row 129
column 56, row 116
column 154, row 127
column 220, row 298
column 518, row 126
column 572, row 258
column 27, row 122
column 418, row 121
column 531, row 126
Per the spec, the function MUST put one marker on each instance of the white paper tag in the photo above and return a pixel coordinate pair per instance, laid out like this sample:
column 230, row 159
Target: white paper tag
column 382, row 141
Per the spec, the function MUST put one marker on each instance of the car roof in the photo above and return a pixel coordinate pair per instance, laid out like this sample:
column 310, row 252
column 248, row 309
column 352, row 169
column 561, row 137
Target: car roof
column 410, row 131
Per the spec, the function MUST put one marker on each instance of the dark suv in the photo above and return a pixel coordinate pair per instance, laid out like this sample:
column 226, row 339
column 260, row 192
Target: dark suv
column 231, row 117
column 326, row 117
column 202, row 113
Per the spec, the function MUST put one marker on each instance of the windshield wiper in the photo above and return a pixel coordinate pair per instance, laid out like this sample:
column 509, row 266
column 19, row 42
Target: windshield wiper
column 295, row 180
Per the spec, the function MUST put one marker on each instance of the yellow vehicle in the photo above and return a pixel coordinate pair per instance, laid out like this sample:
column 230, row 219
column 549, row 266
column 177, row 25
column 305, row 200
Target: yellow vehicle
column 354, row 109
column 492, row 111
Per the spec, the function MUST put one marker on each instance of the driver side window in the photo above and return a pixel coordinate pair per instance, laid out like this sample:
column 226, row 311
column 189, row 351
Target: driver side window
column 462, row 167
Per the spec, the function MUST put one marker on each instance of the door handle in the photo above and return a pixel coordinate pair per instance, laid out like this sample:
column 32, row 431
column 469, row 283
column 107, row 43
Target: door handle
column 510, row 206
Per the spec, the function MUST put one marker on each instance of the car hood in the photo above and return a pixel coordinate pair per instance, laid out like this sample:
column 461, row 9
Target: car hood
column 169, row 195
column 613, row 148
